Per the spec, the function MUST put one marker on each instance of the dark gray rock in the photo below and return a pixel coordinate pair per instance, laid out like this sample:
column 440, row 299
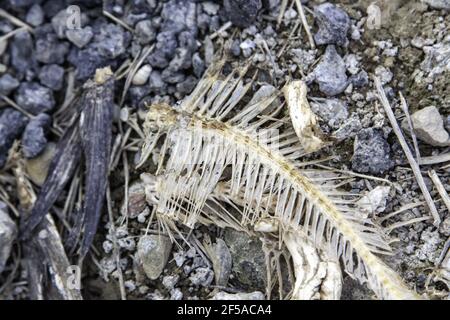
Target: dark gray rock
column 172, row 77
column 179, row 15
column 330, row 73
column 80, row 37
column 236, row 48
column 334, row 24
column 157, row 84
column 359, row 80
column 12, row 123
column 8, row 84
column 52, row 76
column 187, row 85
column 34, row 138
column 248, row 259
column 242, row 13
column 34, row 98
column 111, row 40
column 182, row 60
column 198, row 65
column 145, row 32
column 49, row 49
column 35, row 16
column 59, row 23
column 372, row 153
column 87, row 61
column 22, row 53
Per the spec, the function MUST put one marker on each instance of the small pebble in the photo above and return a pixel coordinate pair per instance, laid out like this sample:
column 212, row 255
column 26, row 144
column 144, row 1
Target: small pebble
column 330, row 73
column 52, row 76
column 372, row 153
column 334, row 24
column 34, row 98
column 8, row 84
column 35, row 15
column 80, row 37
column 34, row 137
column 242, row 13
column 12, row 123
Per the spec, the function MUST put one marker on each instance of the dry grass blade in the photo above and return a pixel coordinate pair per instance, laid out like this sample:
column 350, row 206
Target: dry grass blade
column 414, row 166
column 440, row 188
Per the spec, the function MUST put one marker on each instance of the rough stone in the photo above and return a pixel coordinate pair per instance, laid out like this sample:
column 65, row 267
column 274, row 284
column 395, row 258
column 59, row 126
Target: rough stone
column 35, row 15
column 330, row 74
column 52, row 76
column 428, row 126
column 111, row 40
column 373, row 202
column 202, row 277
column 248, row 259
column 49, row 49
column 34, row 98
column 145, row 32
column 334, row 24
column 22, row 53
column 8, row 84
column 12, row 123
column 80, row 37
column 153, row 252
column 242, row 13
column 372, row 153
column 333, row 111
column 34, row 137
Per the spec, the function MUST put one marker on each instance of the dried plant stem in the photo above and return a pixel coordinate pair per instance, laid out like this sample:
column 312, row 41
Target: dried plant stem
column 440, row 188
column 14, row 20
column 412, row 162
column 305, row 23
column 117, row 20
column 404, row 106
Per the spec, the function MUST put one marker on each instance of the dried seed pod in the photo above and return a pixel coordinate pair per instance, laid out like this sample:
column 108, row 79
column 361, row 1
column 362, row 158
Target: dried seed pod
column 142, row 75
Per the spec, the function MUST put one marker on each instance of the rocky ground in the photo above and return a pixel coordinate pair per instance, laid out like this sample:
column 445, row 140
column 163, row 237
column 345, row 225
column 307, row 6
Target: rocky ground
column 44, row 62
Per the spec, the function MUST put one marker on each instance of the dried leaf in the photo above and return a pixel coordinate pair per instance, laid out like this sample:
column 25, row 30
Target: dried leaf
column 61, row 169
column 96, row 138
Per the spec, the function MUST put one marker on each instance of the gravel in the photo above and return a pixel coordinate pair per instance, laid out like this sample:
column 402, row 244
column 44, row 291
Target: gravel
column 52, row 76
column 80, row 37
column 12, row 123
column 372, row 153
column 334, row 24
column 35, row 15
column 153, row 252
column 23, row 57
column 49, row 49
column 242, row 13
column 34, row 98
column 333, row 111
column 8, row 84
column 330, row 73
column 34, row 138
column 429, row 127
